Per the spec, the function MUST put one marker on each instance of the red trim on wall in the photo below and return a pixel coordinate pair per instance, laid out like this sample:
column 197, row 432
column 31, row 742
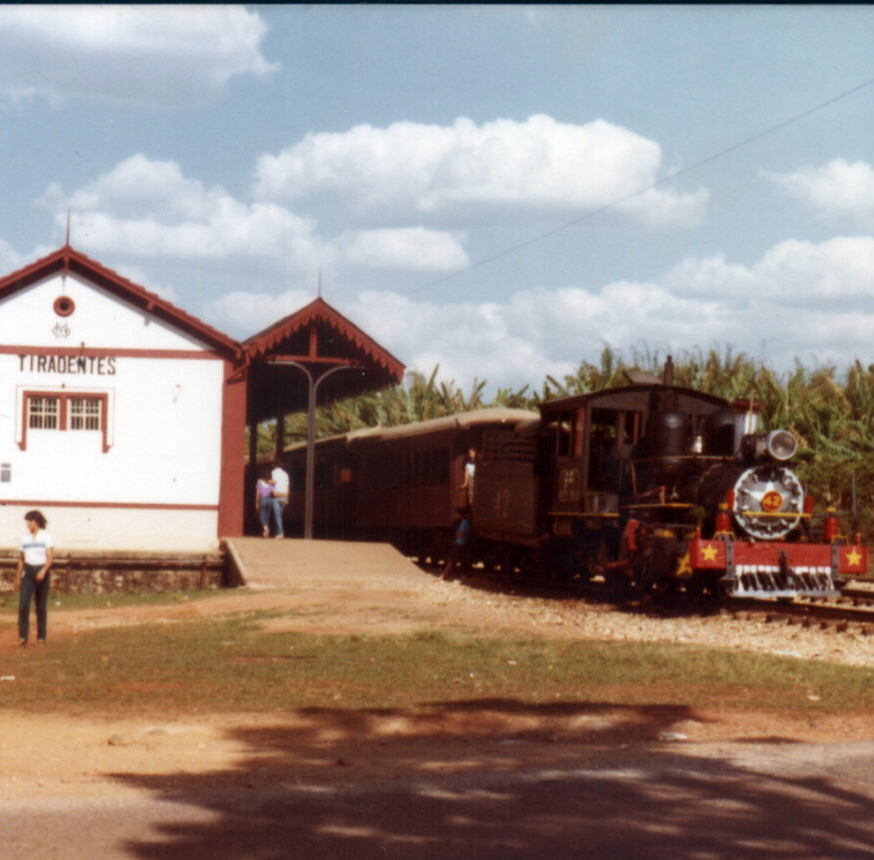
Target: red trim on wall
column 139, row 506
column 64, row 395
column 233, row 457
column 105, row 352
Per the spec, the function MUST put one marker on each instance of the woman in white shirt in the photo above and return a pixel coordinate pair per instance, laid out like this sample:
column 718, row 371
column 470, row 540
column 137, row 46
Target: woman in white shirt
column 32, row 576
column 469, row 474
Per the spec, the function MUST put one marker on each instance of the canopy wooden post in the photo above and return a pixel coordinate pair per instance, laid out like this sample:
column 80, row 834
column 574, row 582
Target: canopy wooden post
column 280, row 436
column 313, row 383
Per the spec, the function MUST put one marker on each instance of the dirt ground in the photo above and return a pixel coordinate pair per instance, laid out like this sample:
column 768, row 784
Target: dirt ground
column 495, row 780
column 59, row 757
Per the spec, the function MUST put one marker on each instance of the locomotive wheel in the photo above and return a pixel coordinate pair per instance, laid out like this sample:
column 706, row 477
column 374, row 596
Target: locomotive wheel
column 706, row 583
column 626, row 584
column 505, row 560
column 651, row 575
column 641, row 581
column 664, row 562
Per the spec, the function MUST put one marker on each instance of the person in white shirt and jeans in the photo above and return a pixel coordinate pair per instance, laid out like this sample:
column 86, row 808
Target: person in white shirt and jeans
column 281, row 491
column 32, row 576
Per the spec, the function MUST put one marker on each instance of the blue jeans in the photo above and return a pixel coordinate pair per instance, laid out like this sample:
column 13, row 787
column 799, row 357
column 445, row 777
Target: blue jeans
column 278, row 508
column 30, row 588
column 265, row 506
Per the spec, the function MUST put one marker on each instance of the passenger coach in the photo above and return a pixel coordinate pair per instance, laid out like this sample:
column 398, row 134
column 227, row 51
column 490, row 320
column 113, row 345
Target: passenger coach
column 401, row 484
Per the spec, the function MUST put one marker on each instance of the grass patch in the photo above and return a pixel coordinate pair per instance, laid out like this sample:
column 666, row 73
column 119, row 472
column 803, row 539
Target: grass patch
column 228, row 665
column 60, row 602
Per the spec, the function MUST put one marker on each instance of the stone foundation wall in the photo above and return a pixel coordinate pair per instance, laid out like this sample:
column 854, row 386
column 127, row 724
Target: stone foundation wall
column 106, row 574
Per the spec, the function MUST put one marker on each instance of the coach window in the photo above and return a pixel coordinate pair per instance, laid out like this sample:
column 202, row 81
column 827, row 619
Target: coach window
column 603, row 449
column 62, row 411
column 324, row 474
column 440, row 465
column 416, row 476
column 578, row 435
column 563, row 436
column 385, row 471
column 397, row 470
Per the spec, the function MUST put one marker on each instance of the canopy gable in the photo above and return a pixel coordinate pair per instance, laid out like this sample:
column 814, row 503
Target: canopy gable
column 317, row 337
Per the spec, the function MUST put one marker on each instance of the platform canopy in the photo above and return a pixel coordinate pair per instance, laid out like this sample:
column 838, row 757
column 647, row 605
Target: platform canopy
column 321, row 339
column 310, row 357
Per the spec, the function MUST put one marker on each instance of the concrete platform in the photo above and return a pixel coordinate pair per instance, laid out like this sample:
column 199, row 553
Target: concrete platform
column 270, row 562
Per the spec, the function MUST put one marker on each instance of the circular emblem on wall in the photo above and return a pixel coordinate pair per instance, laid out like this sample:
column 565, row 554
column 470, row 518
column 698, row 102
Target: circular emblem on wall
column 64, row 306
column 772, row 501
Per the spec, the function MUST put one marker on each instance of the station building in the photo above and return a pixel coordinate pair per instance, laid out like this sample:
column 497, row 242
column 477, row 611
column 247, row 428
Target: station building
column 123, row 418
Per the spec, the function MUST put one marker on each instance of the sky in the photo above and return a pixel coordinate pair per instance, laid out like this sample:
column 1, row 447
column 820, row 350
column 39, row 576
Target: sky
column 501, row 191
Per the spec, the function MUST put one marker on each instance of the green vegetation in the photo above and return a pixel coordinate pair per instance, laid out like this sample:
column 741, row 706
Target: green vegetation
column 831, row 413
column 226, row 665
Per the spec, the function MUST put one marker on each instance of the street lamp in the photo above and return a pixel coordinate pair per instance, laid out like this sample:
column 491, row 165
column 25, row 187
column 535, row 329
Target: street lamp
column 313, row 383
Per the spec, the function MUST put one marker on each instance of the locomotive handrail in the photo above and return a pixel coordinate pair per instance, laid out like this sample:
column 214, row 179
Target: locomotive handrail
column 696, row 457
column 677, row 505
column 605, row 514
column 776, row 514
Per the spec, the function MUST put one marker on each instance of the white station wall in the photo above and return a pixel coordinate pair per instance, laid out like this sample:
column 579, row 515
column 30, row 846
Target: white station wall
column 157, row 485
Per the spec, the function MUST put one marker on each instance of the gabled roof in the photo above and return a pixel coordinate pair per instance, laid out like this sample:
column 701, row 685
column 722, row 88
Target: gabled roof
column 352, row 340
column 67, row 259
column 320, row 338
column 317, row 336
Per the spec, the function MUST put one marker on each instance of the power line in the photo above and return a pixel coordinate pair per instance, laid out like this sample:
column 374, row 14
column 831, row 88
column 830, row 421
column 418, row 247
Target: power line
column 478, row 264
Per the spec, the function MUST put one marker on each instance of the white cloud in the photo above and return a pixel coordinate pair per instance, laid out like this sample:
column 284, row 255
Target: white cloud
column 468, row 340
column 143, row 279
column 142, row 186
column 800, row 300
column 465, row 171
column 793, row 273
column 839, row 188
column 148, row 208
column 171, row 55
column 413, row 249
column 243, row 314
column 11, row 260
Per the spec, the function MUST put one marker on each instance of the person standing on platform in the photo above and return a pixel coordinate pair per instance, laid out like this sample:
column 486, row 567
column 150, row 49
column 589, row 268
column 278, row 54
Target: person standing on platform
column 281, row 492
column 469, row 474
column 32, row 576
column 459, row 547
column 264, row 502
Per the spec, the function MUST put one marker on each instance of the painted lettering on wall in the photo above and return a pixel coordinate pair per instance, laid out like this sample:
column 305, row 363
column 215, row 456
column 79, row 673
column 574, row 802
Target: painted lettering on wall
column 74, row 364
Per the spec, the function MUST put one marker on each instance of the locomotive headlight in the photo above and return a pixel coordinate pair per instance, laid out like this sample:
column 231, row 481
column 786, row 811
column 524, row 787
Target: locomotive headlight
column 781, row 445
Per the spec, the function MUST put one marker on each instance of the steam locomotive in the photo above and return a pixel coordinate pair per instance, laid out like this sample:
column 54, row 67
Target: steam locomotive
column 649, row 486
column 653, row 486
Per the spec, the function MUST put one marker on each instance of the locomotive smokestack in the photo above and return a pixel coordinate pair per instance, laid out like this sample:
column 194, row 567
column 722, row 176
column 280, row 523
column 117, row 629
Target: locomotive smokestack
column 669, row 371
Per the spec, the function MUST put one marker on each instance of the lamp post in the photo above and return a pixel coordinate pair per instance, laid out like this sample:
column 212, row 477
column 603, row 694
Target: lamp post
column 313, row 383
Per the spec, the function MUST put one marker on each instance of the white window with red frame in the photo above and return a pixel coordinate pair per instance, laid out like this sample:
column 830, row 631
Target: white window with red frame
column 78, row 412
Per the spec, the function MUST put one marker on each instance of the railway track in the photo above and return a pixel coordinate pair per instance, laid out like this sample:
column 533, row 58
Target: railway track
column 852, row 612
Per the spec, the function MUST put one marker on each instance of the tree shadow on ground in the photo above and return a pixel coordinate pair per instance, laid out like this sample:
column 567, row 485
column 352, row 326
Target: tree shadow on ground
column 502, row 779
